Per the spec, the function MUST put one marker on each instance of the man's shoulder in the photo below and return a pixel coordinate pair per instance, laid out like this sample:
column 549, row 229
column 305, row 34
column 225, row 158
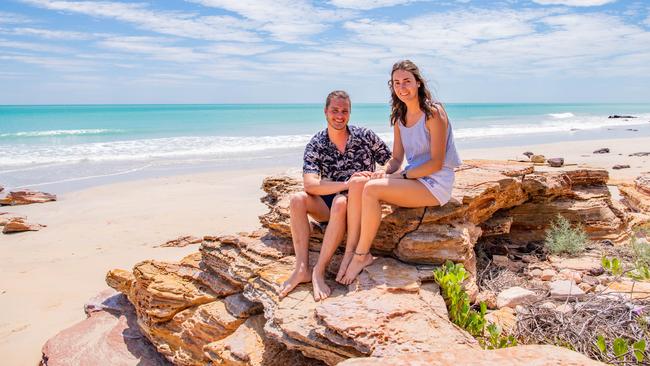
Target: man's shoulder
column 363, row 133
column 319, row 136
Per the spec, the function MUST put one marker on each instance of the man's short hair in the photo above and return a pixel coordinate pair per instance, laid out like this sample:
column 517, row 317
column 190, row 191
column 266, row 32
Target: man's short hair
column 337, row 94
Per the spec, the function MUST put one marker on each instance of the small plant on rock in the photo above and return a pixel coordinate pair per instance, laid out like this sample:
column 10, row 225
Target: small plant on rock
column 450, row 277
column 496, row 340
column 621, row 350
column 612, row 265
column 561, row 238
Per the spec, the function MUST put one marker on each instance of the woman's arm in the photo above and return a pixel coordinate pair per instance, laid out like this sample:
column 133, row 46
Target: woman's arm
column 437, row 126
column 397, row 158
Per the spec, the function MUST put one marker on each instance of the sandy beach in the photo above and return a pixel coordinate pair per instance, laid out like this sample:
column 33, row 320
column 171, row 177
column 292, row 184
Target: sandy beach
column 46, row 276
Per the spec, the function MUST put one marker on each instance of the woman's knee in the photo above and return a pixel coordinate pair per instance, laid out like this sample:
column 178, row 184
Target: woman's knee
column 357, row 183
column 373, row 188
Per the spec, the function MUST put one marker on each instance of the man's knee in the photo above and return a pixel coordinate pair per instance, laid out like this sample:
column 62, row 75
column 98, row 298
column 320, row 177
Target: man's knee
column 298, row 202
column 339, row 206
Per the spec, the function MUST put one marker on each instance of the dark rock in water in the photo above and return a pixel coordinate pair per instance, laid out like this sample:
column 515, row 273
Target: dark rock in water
column 619, row 116
column 528, row 154
column 640, row 154
column 574, row 129
column 556, row 162
column 604, row 150
column 620, row 166
column 632, row 129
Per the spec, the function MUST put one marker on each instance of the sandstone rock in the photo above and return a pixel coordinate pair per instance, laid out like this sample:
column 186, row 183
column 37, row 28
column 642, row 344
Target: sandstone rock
column 556, row 162
column 548, row 274
column 584, row 263
column 487, row 297
column 248, row 346
column 537, row 355
column 241, row 307
column 503, row 261
column 19, row 224
column 538, row 159
column 637, row 195
column 25, row 197
column 604, row 150
column 496, row 226
column 504, row 318
column 181, row 241
column 571, row 275
column 587, row 288
column 621, row 166
column 515, row 296
column 564, row 308
column 565, row 289
column 109, row 335
column 632, row 289
column 536, row 273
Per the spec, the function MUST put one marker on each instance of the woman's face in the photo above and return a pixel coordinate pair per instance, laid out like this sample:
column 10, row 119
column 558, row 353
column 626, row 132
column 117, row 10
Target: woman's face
column 405, row 86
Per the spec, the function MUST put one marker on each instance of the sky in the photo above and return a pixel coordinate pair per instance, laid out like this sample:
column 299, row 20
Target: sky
column 296, row 51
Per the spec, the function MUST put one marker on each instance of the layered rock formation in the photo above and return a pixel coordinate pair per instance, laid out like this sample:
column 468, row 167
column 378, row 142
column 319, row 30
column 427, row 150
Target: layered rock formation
column 220, row 306
column 637, row 194
column 17, row 224
column 25, row 197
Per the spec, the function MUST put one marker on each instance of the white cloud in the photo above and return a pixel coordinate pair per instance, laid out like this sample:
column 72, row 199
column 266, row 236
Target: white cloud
column 12, row 18
column 286, row 20
column 214, row 28
column 238, row 49
column 30, row 46
column 63, row 64
column 574, row 2
column 368, row 4
column 49, row 34
column 155, row 48
column 510, row 42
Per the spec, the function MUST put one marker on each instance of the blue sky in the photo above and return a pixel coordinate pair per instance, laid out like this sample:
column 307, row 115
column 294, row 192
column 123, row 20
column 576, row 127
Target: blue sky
column 296, row 51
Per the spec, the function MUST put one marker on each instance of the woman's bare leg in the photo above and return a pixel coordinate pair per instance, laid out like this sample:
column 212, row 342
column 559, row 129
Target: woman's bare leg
column 400, row 192
column 355, row 191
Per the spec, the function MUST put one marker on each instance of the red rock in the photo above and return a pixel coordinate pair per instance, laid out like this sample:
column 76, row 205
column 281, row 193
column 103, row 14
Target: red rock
column 181, row 241
column 537, row 355
column 109, row 336
column 19, row 224
column 25, row 197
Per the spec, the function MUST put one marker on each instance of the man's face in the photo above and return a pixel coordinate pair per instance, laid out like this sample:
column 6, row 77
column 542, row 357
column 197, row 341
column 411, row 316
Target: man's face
column 338, row 113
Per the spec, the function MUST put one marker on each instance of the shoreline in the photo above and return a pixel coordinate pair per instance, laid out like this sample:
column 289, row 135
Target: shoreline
column 48, row 275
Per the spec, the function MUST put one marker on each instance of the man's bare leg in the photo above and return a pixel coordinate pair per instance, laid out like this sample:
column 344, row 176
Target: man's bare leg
column 355, row 191
column 302, row 204
column 333, row 236
column 400, row 192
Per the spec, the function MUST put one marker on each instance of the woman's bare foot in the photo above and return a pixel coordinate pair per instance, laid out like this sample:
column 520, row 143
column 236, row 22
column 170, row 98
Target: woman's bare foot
column 321, row 290
column 357, row 263
column 299, row 275
column 347, row 257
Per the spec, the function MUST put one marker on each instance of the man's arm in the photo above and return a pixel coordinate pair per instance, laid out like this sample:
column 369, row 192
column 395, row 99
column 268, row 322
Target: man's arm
column 318, row 187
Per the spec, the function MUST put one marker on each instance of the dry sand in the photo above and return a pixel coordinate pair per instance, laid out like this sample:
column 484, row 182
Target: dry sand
column 46, row 276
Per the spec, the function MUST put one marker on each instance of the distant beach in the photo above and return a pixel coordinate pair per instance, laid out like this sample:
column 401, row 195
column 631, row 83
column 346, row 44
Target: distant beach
column 66, row 148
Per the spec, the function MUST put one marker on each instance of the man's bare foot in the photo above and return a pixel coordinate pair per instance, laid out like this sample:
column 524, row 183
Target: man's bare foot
column 357, row 263
column 321, row 290
column 299, row 275
column 347, row 257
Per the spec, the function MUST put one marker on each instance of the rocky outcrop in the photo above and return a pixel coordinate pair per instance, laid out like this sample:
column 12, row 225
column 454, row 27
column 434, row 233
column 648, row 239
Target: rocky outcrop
column 181, row 241
column 221, row 305
column 109, row 336
column 19, row 224
column 521, row 355
column 637, row 194
column 26, row 197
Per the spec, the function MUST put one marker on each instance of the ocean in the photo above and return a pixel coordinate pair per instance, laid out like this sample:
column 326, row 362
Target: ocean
column 67, row 147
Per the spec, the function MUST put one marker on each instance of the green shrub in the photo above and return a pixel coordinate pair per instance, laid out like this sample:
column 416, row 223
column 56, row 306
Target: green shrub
column 450, row 277
column 614, row 265
column 562, row 238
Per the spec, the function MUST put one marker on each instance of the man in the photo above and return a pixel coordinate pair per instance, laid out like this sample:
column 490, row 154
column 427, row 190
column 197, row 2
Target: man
column 331, row 158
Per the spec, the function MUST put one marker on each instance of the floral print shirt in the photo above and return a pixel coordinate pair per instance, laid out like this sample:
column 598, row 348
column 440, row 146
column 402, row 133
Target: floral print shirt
column 363, row 150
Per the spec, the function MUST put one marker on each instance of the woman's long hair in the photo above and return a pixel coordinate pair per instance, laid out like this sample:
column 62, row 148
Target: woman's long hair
column 398, row 108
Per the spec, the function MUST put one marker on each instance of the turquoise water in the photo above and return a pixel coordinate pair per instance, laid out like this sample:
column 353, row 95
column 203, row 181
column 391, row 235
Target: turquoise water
column 61, row 144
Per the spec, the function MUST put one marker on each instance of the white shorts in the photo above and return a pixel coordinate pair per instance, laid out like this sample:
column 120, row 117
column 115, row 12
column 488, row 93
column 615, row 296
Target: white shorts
column 440, row 184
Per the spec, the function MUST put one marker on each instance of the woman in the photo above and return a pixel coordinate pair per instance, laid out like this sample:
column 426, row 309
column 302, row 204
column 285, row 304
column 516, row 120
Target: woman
column 422, row 133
